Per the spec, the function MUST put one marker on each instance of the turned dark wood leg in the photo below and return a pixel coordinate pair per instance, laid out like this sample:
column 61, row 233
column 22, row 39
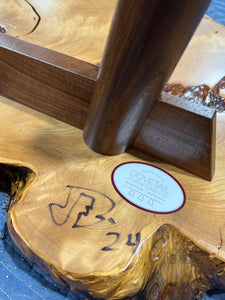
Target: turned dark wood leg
column 145, row 43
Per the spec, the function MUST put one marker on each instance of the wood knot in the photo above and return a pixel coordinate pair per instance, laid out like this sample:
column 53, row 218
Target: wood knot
column 3, row 29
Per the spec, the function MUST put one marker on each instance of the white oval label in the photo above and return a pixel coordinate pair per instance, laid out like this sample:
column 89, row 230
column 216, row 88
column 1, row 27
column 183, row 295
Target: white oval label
column 148, row 187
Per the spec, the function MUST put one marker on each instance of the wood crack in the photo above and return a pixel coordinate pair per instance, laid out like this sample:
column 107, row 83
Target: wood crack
column 37, row 14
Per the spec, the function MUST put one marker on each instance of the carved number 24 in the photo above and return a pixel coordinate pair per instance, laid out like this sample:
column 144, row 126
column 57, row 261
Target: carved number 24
column 128, row 243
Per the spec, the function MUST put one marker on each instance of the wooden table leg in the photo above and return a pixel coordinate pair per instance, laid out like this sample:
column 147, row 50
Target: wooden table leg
column 145, row 43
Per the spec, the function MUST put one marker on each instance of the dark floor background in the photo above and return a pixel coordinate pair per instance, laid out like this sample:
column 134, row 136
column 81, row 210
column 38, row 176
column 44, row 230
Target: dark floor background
column 19, row 278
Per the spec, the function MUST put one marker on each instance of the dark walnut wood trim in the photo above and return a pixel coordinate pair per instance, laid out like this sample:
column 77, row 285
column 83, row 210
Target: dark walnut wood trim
column 182, row 133
column 48, row 81
column 178, row 132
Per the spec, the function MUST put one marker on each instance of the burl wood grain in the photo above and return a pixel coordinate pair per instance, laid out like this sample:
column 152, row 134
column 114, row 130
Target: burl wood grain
column 115, row 251
column 76, row 28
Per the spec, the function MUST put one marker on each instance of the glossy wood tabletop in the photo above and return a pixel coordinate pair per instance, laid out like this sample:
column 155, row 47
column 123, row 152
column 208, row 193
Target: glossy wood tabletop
column 65, row 212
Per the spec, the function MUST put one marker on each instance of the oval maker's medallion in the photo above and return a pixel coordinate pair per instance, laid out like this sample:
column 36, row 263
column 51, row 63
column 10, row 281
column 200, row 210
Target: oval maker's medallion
column 148, row 187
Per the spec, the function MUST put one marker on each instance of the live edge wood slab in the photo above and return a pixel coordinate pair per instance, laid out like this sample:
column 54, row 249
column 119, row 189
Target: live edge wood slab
column 114, row 250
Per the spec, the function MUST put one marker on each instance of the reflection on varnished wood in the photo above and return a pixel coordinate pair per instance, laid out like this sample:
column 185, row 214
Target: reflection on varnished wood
column 65, row 214
column 76, row 28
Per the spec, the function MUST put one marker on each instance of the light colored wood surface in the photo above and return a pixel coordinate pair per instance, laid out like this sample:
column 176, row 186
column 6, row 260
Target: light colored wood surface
column 78, row 28
column 199, row 63
column 17, row 17
column 58, row 157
